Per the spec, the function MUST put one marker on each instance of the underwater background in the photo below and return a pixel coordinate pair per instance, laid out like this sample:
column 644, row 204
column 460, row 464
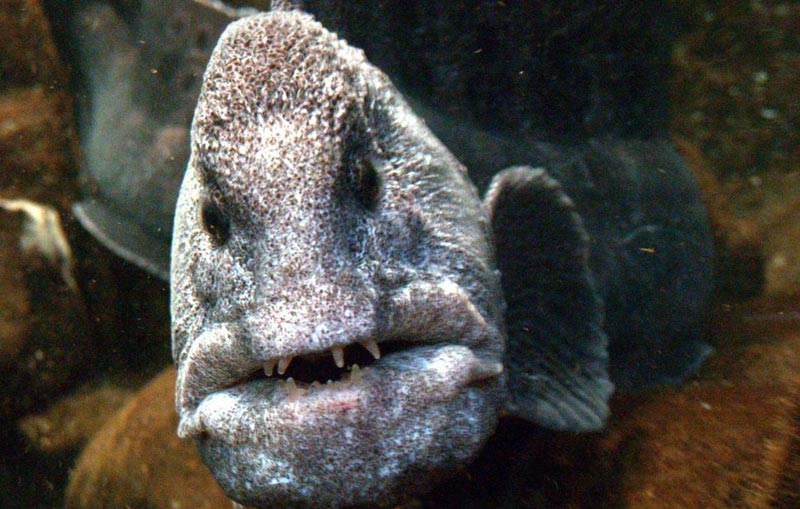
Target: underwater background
column 84, row 336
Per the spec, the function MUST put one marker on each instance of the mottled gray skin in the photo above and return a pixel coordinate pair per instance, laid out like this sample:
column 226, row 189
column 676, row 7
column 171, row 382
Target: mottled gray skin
column 288, row 119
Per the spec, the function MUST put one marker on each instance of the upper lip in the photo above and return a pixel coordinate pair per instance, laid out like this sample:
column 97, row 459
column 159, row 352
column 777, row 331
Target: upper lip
column 218, row 359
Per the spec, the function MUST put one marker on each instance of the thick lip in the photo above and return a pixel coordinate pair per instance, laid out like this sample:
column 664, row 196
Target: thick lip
column 434, row 372
column 222, row 386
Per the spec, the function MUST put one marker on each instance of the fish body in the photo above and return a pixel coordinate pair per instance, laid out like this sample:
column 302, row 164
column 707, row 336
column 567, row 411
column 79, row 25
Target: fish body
column 323, row 232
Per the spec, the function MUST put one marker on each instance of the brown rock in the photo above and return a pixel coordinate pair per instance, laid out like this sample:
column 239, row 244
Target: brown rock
column 787, row 495
column 727, row 439
column 44, row 333
column 45, row 339
column 737, row 118
column 137, row 460
column 38, row 147
column 27, row 52
column 68, row 424
column 36, row 155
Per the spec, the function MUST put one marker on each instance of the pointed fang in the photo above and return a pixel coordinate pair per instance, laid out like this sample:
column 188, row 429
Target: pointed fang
column 338, row 356
column 269, row 366
column 355, row 373
column 372, row 347
column 283, row 364
column 484, row 370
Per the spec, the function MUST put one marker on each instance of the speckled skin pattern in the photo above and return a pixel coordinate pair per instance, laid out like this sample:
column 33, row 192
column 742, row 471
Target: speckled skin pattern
column 319, row 254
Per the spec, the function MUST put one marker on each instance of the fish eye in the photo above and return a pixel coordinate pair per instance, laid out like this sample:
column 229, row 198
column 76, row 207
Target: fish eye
column 214, row 219
column 367, row 183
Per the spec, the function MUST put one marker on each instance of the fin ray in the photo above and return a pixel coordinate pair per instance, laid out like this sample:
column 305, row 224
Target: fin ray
column 124, row 237
column 556, row 356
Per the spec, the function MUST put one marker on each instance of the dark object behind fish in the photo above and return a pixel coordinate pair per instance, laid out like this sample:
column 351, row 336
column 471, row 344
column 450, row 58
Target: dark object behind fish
column 578, row 87
column 561, row 72
column 138, row 68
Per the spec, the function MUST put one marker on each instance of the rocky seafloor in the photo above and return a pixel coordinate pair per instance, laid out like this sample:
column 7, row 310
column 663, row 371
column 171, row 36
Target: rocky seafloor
column 86, row 400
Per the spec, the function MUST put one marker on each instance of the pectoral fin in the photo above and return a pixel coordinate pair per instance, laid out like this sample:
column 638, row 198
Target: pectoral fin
column 556, row 358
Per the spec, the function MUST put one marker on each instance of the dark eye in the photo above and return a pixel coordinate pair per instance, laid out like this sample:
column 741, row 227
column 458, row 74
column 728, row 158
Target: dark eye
column 367, row 183
column 214, row 219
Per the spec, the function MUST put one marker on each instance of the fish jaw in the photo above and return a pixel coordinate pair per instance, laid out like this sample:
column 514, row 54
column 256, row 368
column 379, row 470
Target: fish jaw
column 389, row 432
column 415, row 412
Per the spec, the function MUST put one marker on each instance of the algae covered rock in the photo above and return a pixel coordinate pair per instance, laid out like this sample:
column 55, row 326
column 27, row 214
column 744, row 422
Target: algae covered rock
column 137, row 460
column 45, row 334
column 37, row 144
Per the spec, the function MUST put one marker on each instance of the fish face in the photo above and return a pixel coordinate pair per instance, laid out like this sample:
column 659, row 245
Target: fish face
column 337, row 316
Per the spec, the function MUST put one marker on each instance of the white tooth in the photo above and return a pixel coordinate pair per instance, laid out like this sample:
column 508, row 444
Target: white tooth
column 269, row 366
column 372, row 347
column 283, row 364
column 294, row 391
column 338, row 356
column 355, row 373
column 486, row 369
column 495, row 368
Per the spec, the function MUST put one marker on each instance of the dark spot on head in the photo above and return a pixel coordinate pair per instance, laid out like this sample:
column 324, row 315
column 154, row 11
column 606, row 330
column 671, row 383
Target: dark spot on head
column 214, row 219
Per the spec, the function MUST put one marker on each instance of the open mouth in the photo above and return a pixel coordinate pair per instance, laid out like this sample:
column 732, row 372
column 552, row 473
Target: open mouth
column 319, row 367
column 335, row 378
column 337, row 364
column 401, row 399
column 434, row 344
